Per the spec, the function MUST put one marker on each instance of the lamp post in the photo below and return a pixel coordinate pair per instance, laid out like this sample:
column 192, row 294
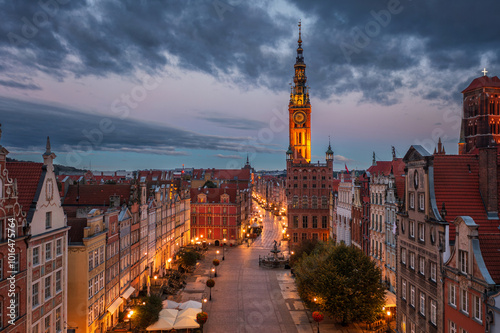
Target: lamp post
column 129, row 316
column 224, row 250
column 216, row 254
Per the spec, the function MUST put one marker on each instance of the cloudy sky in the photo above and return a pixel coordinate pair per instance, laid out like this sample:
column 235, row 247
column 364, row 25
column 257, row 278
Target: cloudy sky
column 157, row 84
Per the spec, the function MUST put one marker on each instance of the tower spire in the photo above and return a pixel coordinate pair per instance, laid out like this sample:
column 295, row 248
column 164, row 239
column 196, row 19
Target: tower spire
column 300, row 33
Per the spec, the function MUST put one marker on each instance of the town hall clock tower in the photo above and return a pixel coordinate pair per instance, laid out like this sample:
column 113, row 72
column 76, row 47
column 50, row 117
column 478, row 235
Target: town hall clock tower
column 308, row 184
column 300, row 111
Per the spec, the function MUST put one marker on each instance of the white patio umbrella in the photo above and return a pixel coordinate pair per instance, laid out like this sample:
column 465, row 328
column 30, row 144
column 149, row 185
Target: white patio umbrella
column 169, row 313
column 190, row 304
column 168, row 304
column 189, row 312
column 162, row 324
column 185, row 323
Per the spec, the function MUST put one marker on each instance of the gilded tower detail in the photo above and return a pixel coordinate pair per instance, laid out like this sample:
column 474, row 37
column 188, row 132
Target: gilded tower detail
column 300, row 110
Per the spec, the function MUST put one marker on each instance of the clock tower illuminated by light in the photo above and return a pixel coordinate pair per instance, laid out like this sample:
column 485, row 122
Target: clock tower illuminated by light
column 309, row 189
column 300, row 111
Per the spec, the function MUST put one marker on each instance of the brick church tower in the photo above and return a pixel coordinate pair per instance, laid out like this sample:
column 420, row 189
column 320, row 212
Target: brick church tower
column 308, row 184
column 481, row 114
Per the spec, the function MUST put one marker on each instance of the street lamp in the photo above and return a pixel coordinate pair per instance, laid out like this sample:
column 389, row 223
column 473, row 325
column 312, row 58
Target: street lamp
column 129, row 316
column 212, row 271
column 216, row 253
column 224, row 250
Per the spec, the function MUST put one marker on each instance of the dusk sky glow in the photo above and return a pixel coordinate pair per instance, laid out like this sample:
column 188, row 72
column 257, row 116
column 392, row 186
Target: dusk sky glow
column 157, row 84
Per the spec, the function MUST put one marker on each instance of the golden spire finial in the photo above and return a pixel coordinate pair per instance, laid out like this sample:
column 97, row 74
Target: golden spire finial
column 300, row 32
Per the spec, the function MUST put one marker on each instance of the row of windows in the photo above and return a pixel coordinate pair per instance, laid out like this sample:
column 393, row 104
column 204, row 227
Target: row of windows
column 305, row 177
column 96, row 257
column 421, row 303
column 305, row 202
column 209, row 220
column 96, row 284
column 295, row 185
column 305, row 222
column 421, row 201
column 303, row 236
column 421, row 265
column 49, row 253
column 45, row 324
column 464, row 302
column 96, row 309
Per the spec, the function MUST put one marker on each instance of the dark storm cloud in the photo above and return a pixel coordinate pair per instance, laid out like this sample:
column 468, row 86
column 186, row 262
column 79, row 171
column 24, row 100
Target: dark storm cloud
column 223, row 120
column 19, row 85
column 26, row 124
column 452, row 36
column 351, row 46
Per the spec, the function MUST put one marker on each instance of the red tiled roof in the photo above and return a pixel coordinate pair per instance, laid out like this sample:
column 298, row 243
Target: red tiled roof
column 458, row 188
column 224, row 174
column 490, row 249
column 397, row 166
column 483, row 81
column 96, row 195
column 28, row 177
column 335, row 185
column 213, row 194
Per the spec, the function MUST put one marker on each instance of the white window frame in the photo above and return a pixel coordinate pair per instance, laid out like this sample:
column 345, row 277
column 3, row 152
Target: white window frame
column 403, row 289
column 35, row 295
column 421, row 232
column 421, row 265
column 421, row 201
column 453, row 327
column 411, row 229
column 464, row 261
column 433, row 312
column 412, row 295
column 48, row 251
column 422, row 304
column 48, row 287
column 433, row 271
column 464, row 301
column 452, row 294
column 58, row 280
column 412, row 260
column 59, row 247
column 412, row 200
column 403, row 256
column 37, row 250
column 477, row 308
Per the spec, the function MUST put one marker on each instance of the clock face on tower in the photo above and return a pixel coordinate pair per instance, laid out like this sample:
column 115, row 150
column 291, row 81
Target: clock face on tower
column 299, row 117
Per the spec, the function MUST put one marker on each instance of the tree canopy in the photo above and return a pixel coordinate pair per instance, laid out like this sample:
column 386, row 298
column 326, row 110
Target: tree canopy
column 345, row 282
column 148, row 314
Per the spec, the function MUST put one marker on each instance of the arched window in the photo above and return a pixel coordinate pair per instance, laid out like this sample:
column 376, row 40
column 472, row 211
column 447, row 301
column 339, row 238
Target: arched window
column 324, row 202
column 314, row 202
column 295, row 201
column 305, row 202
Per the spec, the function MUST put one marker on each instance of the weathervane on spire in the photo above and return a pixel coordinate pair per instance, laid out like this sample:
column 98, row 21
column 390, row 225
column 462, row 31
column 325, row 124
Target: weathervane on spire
column 484, row 71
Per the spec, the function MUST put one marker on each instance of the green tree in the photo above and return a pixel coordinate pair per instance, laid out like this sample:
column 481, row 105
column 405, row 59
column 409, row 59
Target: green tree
column 345, row 282
column 147, row 314
column 188, row 258
column 306, row 246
